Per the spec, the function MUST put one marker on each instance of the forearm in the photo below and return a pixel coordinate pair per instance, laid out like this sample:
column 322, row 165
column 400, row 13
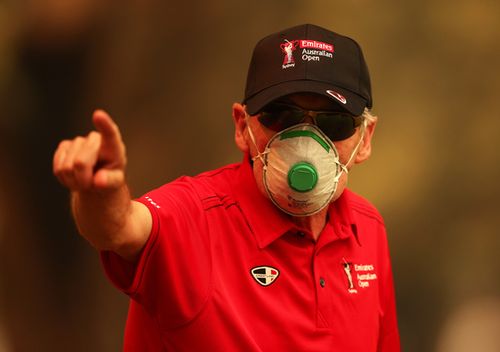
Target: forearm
column 93, row 169
column 102, row 217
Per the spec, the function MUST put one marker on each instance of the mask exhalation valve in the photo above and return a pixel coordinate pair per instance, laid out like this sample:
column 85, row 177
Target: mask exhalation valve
column 302, row 177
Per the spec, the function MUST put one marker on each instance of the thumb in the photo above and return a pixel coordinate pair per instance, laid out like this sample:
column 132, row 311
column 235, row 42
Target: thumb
column 109, row 179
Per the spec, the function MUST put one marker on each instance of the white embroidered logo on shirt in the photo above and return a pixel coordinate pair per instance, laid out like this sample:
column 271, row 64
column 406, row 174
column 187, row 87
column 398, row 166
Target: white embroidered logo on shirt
column 364, row 275
column 152, row 202
column 350, row 283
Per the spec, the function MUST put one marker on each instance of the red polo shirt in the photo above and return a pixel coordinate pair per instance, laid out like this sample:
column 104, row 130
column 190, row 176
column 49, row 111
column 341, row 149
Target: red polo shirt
column 225, row 270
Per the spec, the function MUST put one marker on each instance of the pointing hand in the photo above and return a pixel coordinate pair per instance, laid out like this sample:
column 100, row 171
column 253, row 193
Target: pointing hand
column 94, row 162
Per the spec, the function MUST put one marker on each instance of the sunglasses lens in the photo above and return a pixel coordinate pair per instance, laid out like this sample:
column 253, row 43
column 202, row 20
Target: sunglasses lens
column 277, row 118
column 336, row 126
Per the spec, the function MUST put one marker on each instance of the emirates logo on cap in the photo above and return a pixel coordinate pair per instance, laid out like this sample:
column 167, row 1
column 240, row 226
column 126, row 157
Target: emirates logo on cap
column 312, row 50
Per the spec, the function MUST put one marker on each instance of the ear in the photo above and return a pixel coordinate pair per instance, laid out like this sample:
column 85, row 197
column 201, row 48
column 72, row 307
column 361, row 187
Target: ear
column 365, row 149
column 240, row 124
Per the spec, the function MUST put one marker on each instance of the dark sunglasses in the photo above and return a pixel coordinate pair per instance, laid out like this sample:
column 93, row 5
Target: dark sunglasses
column 336, row 125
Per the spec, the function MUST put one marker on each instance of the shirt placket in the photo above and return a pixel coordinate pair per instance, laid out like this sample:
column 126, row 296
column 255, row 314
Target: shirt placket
column 323, row 288
column 326, row 263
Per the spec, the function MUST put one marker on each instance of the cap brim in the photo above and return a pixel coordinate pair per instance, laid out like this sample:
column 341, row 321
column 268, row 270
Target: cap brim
column 345, row 99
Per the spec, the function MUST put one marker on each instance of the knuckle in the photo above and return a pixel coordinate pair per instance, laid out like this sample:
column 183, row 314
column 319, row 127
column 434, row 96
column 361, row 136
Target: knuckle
column 79, row 163
column 66, row 170
column 64, row 144
column 93, row 134
column 79, row 139
column 67, row 166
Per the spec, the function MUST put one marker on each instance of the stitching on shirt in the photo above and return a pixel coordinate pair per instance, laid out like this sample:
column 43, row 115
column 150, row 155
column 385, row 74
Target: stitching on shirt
column 215, row 172
column 367, row 211
column 231, row 204
column 225, row 201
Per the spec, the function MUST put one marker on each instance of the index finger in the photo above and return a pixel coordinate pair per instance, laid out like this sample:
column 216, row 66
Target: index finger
column 106, row 126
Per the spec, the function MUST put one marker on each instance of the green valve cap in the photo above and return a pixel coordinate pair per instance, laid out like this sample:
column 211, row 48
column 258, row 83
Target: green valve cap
column 302, row 177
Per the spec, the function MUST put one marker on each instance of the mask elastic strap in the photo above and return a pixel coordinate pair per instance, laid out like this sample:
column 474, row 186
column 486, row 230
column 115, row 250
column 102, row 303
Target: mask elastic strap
column 259, row 154
column 353, row 154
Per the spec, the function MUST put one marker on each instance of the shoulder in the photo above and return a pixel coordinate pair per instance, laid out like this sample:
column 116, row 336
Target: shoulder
column 209, row 185
column 368, row 222
column 362, row 208
column 219, row 178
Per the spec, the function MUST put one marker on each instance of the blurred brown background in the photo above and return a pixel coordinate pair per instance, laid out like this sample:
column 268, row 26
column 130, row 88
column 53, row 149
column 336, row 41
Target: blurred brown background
column 168, row 72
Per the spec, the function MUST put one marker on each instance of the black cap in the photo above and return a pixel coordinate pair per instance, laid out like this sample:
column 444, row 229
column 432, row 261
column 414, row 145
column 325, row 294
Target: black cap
column 308, row 58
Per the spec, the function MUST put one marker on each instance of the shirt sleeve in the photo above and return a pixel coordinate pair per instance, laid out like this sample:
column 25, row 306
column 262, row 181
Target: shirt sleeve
column 171, row 279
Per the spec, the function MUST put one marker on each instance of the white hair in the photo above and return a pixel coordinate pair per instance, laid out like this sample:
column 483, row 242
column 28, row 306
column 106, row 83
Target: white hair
column 368, row 116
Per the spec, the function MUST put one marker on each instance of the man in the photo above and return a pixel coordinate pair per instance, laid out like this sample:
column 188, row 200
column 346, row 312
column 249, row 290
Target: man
column 271, row 254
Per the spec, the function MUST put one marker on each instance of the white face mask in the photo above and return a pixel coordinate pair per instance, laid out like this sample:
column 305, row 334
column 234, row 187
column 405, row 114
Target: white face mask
column 301, row 168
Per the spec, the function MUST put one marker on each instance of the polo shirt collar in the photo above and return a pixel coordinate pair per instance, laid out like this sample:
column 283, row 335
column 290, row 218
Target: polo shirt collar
column 268, row 223
column 341, row 218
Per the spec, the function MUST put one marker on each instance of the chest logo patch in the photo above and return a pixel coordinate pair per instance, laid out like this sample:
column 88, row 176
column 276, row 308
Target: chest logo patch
column 264, row 275
column 358, row 275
